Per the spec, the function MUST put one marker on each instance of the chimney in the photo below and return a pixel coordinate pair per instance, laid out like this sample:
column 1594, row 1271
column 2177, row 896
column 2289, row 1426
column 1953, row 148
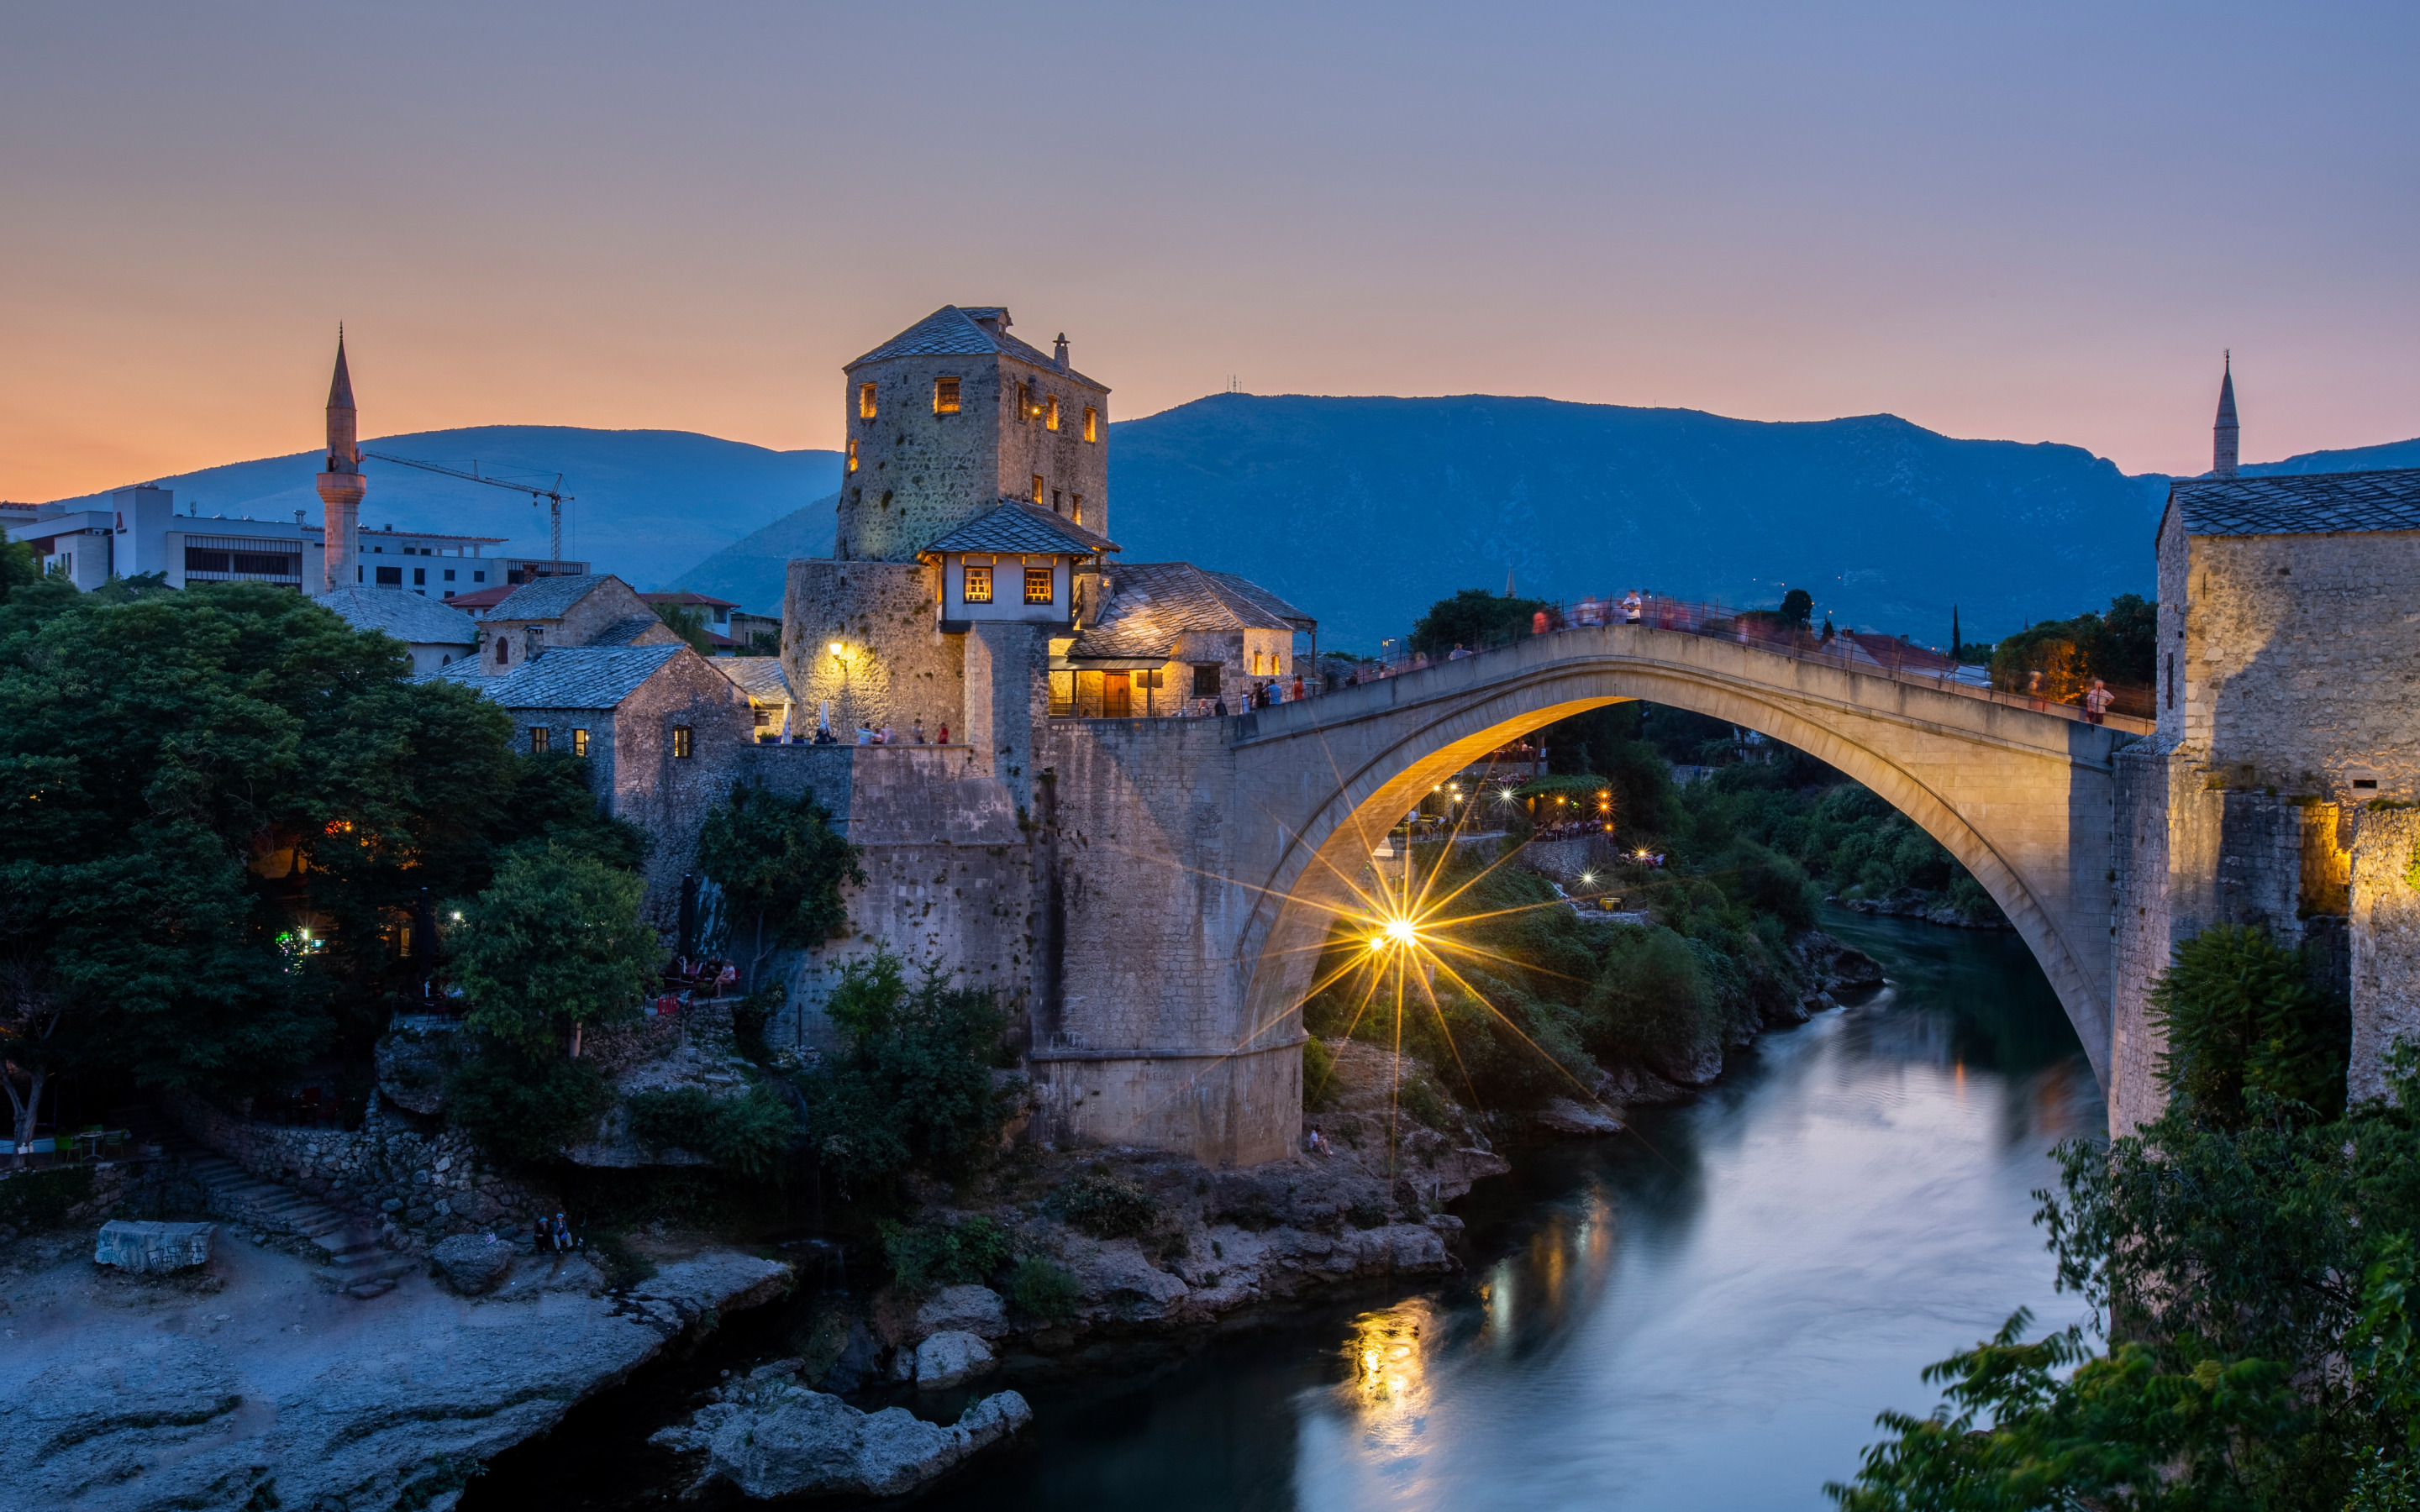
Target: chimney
column 1059, row 353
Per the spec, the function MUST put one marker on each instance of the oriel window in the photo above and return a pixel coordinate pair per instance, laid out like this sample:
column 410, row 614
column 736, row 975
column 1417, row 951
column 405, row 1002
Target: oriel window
column 977, row 587
column 865, row 401
column 537, row 738
column 684, row 742
column 945, row 396
column 580, row 743
column 1092, row 423
column 1051, row 413
column 1037, row 585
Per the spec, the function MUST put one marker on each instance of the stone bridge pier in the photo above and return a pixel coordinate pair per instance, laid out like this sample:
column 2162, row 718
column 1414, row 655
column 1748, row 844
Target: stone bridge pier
column 1187, row 871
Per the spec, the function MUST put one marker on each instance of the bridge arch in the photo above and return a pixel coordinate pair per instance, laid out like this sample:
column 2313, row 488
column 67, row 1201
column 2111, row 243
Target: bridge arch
column 2023, row 799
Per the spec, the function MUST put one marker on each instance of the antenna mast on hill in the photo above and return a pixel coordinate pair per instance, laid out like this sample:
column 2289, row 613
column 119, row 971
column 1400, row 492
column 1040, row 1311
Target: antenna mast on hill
column 554, row 497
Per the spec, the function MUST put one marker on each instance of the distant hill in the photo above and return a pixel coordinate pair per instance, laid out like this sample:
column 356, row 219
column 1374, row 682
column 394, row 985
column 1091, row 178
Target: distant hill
column 1364, row 511
column 647, row 503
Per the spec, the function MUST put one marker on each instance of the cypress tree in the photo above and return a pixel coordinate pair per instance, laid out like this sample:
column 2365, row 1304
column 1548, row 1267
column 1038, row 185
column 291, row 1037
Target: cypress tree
column 1956, row 645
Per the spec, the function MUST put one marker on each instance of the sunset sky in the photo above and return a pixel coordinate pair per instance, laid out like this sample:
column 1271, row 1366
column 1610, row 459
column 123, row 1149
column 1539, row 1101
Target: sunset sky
column 2040, row 222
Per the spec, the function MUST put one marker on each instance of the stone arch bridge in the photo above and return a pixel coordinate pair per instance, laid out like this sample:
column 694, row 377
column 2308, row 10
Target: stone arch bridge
column 1191, row 865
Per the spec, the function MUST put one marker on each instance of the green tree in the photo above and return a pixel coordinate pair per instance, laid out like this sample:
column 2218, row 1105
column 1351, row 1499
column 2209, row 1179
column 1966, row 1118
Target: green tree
column 1798, row 607
column 688, row 621
column 912, row 1087
column 1471, row 619
column 779, row 861
column 555, row 943
column 195, row 778
column 2240, row 1018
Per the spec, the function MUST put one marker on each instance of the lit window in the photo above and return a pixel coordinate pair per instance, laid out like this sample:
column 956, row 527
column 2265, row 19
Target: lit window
column 945, row 396
column 978, row 585
column 537, row 738
column 1050, row 413
column 1024, row 404
column 1075, row 512
column 684, row 746
column 580, row 743
column 1036, row 495
column 1092, row 423
column 1037, row 585
column 852, row 453
column 865, row 401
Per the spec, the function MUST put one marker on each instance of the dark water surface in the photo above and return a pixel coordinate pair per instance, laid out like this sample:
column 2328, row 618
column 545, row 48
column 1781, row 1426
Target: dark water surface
column 1705, row 1313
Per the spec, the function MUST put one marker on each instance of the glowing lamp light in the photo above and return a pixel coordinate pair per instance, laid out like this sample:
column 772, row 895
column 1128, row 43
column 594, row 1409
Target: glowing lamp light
column 1400, row 931
column 457, row 916
column 836, row 648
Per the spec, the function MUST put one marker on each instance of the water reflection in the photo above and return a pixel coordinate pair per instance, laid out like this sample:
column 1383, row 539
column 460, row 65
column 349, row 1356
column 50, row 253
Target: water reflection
column 1704, row 1314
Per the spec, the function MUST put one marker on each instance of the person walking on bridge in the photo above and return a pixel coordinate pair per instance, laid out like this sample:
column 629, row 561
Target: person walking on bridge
column 2097, row 701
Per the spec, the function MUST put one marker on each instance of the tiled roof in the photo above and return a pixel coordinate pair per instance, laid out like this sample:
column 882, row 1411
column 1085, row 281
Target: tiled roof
column 405, row 616
column 547, row 599
column 2299, row 503
column 568, row 677
column 626, row 632
column 477, row 602
column 951, row 332
column 686, row 598
column 1013, row 526
column 1155, row 602
column 759, row 677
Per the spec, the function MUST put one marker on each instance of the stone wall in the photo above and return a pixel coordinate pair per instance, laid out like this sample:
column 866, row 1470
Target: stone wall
column 426, row 1185
column 666, row 796
column 1066, row 463
column 2385, row 943
column 949, row 879
column 897, row 667
column 919, row 473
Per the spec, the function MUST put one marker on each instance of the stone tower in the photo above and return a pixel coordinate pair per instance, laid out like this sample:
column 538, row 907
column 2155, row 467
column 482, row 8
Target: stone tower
column 2221, row 459
column 953, row 415
column 341, row 485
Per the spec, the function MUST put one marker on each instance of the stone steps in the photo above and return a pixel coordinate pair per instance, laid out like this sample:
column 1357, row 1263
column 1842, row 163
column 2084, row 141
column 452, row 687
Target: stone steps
column 346, row 1243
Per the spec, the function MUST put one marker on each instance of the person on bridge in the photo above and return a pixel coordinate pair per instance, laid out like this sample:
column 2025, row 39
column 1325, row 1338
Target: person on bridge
column 1457, row 652
column 1632, row 606
column 2097, row 701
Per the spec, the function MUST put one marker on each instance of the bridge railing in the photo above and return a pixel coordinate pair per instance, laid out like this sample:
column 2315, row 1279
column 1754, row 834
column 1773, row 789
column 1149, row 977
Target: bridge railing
column 2130, row 708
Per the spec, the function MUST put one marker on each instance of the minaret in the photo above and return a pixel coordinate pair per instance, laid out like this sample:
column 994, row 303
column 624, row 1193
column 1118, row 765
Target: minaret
column 341, row 485
column 2222, row 462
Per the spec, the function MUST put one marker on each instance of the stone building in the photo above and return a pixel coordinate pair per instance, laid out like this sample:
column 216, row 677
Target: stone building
column 2288, row 669
column 591, row 609
column 436, row 635
column 973, row 589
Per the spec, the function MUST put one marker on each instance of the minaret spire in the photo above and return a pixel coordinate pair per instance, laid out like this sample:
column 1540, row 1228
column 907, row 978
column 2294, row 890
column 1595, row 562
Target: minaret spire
column 2223, row 435
column 341, row 485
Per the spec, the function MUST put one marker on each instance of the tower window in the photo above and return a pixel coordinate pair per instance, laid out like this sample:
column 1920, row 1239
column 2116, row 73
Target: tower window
column 1051, row 413
column 1054, row 503
column 1024, row 404
column 684, row 745
column 1075, row 512
column 945, row 396
column 537, row 738
column 865, row 401
column 1092, row 423
column 580, row 743
column 1036, row 495
column 1037, row 585
column 852, row 453
column 976, row 589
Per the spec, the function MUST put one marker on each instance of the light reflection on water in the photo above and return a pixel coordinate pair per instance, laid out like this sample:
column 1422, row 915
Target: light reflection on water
column 1704, row 1314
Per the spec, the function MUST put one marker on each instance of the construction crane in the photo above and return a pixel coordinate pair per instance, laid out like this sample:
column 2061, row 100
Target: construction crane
column 554, row 497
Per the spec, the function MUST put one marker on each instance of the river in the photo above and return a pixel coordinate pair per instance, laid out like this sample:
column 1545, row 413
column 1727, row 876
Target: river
column 1706, row 1312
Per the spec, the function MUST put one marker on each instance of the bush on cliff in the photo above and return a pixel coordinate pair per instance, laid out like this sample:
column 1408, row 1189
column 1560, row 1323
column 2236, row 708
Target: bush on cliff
column 926, row 1255
column 912, row 1087
column 1104, row 1207
column 526, row 1105
column 749, row 1135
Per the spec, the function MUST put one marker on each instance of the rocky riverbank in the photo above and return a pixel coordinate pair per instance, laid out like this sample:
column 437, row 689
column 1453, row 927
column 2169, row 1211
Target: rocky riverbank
column 247, row 1384
column 1931, row 907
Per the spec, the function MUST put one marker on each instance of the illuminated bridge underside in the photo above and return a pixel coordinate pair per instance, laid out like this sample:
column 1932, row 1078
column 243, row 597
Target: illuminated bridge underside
column 2025, row 800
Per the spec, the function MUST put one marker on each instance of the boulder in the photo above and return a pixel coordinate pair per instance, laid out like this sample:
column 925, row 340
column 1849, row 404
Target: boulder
column 471, row 1264
column 1564, row 1116
column 1116, row 1273
column 1855, row 970
column 413, row 1069
column 963, row 1310
column 153, row 1248
column 950, row 1357
column 789, row 1442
